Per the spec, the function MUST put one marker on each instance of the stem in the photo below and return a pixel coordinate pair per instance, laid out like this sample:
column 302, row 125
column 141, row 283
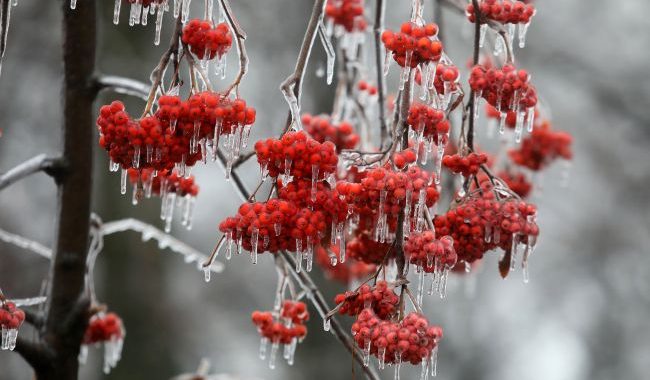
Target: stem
column 293, row 82
column 472, row 105
column 379, row 63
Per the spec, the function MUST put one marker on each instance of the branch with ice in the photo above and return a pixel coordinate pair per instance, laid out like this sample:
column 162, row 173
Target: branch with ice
column 164, row 240
column 241, row 47
column 36, row 164
column 25, row 243
column 292, row 86
column 123, row 85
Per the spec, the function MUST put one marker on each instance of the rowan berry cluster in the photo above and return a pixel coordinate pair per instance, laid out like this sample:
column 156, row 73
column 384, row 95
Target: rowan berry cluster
column 347, row 13
column 321, row 129
column 404, row 158
column 507, row 89
column 318, row 198
column 503, row 11
column 285, row 327
column 465, row 165
column 11, row 318
column 380, row 298
column 164, row 182
column 296, row 155
column 411, row 340
column 430, row 254
column 344, row 272
column 428, row 121
column 413, row 45
column 104, row 328
column 366, row 87
column 205, row 40
column 365, row 249
column 542, row 147
column 484, row 222
column 517, row 182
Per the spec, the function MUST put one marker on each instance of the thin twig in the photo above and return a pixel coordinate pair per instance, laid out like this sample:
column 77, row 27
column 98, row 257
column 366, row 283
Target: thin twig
column 379, row 63
column 240, row 37
column 292, row 86
column 42, row 162
column 123, row 85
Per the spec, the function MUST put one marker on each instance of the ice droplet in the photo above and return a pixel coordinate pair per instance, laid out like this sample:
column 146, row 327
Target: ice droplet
column 327, row 324
column 263, row 344
column 523, row 30
column 123, row 177
column 73, row 4
column 274, row 353
column 206, row 273
column 116, row 12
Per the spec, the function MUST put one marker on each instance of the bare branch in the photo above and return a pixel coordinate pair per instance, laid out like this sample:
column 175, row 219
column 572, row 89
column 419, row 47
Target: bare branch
column 164, row 240
column 240, row 37
column 379, row 26
column 123, row 85
column 5, row 11
column 36, row 164
column 292, row 86
column 25, row 243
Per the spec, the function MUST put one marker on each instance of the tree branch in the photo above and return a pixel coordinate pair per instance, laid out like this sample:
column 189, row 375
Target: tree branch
column 25, row 243
column 34, row 353
column 379, row 62
column 123, row 85
column 240, row 37
column 293, row 84
column 51, row 166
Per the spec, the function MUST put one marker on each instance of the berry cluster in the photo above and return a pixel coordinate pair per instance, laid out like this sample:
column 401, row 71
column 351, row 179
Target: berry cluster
column 284, row 327
column 507, row 89
column 430, row 254
column 517, row 182
column 404, row 158
column 104, row 328
column 542, row 147
column 347, row 13
column 11, row 318
column 365, row 249
column 297, row 156
column 205, row 40
column 428, row 121
column 413, row 44
column 466, row 165
column 334, row 269
column 320, row 198
column 380, row 298
column 321, row 129
column 384, row 192
column 484, row 222
column 366, row 87
column 503, row 11
column 411, row 340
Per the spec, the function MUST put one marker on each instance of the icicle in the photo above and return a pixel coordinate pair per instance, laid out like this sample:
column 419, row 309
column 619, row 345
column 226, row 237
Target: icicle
column 530, row 119
column 134, row 196
column 274, row 352
column 206, row 272
column 73, row 4
column 381, row 357
column 309, row 255
column 387, row 61
column 286, row 178
column 477, row 104
column 407, row 212
column 177, row 7
column 254, row 242
column 83, row 354
column 366, row 352
column 484, row 28
column 342, row 246
column 419, row 210
column 136, row 157
column 440, row 152
column 434, row 361
column 292, row 354
column 185, row 12
column 145, row 15
column 113, row 166
column 398, row 364
column 116, row 12
column 159, row 18
column 512, row 28
column 327, row 324
column 278, row 228
column 406, row 70
column 420, row 285
column 502, row 123
column 170, row 211
column 498, row 45
column 523, row 30
column 424, row 373
column 519, row 127
column 442, row 284
column 314, row 180
column 299, row 254
column 566, row 173
column 329, row 51
column 188, row 211
column 123, row 177
column 514, row 251
column 263, row 344
column 230, row 239
column 524, row 263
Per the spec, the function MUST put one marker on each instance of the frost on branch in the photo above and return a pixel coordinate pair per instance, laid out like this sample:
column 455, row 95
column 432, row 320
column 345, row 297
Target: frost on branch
column 25, row 243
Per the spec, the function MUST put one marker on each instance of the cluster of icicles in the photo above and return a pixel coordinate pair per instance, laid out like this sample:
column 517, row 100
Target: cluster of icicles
column 11, row 318
column 106, row 329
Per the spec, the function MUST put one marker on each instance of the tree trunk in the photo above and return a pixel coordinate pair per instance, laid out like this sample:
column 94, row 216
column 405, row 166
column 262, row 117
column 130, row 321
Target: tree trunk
column 67, row 310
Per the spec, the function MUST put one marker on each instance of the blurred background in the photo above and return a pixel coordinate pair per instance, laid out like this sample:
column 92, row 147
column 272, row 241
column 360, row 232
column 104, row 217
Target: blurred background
column 583, row 315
